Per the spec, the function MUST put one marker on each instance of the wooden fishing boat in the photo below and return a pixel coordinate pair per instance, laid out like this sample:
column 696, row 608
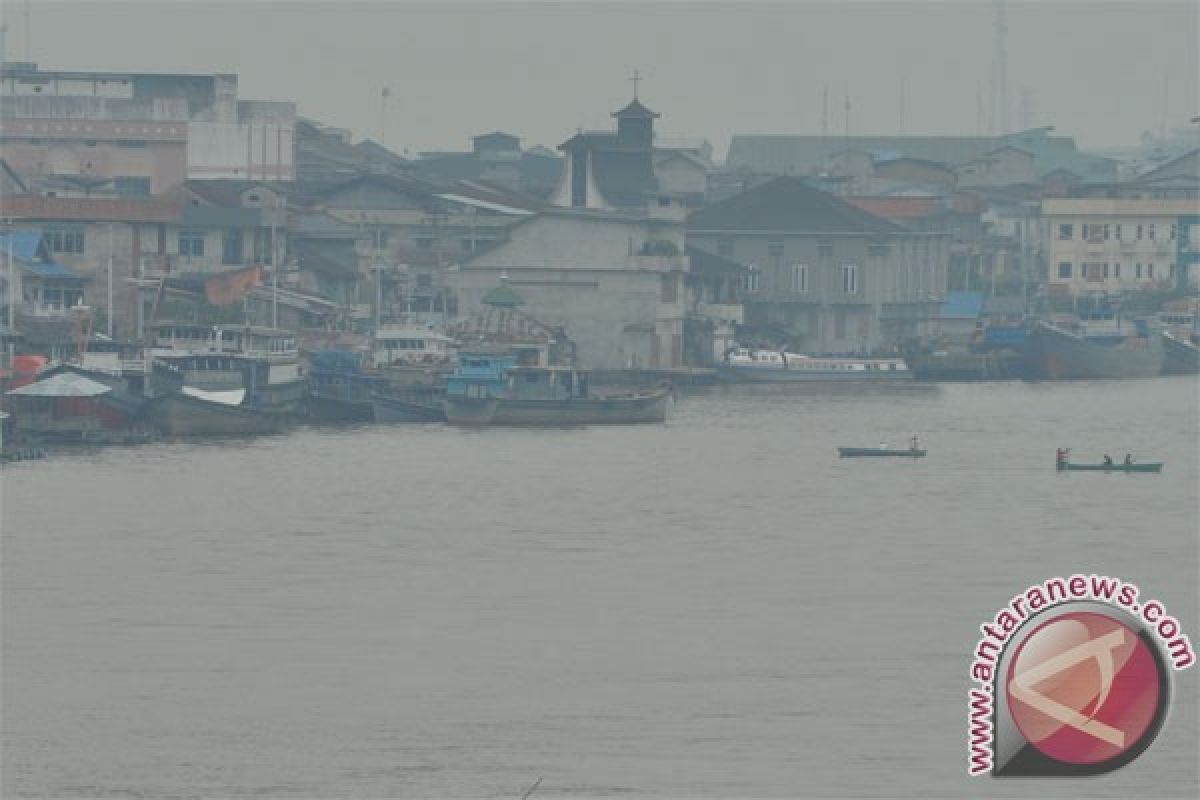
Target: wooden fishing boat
column 863, row 452
column 1149, row 466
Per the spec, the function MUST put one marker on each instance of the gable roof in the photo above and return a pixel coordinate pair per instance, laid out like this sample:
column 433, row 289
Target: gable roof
column 64, row 384
column 788, row 204
column 635, row 109
column 703, row 262
column 898, row 206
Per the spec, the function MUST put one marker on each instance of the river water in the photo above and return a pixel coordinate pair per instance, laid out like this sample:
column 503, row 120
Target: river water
column 718, row 606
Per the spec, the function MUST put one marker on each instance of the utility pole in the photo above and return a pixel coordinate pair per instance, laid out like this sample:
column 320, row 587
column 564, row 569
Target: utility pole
column 378, row 277
column 274, row 268
column 383, row 100
column 12, row 281
column 109, row 313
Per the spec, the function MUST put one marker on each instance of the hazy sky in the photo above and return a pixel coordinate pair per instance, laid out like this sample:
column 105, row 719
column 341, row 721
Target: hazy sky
column 1096, row 70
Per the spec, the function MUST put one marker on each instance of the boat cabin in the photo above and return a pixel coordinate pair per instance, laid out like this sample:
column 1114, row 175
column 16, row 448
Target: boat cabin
column 178, row 338
column 410, row 346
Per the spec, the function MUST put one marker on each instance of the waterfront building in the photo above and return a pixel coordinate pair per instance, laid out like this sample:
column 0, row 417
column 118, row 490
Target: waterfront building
column 136, row 134
column 826, row 275
column 1126, row 240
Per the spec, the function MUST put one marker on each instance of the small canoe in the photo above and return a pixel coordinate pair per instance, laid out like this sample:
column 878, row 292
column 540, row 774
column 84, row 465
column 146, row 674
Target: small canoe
column 862, row 452
column 1149, row 466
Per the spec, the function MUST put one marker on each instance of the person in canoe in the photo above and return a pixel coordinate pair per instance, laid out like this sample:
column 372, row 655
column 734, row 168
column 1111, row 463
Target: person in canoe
column 1128, row 459
column 1108, row 462
column 914, row 443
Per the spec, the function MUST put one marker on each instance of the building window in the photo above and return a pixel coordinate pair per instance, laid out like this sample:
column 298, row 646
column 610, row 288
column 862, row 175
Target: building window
column 1117, row 270
column 65, row 240
column 1170, row 271
column 850, row 279
column 231, row 247
column 725, row 248
column 1150, row 231
column 1064, row 269
column 1105, row 269
column 1137, row 270
column 825, row 250
column 191, row 243
column 131, row 187
column 1139, row 232
column 800, row 278
column 751, row 280
column 1117, row 232
column 1150, row 271
column 1066, row 232
column 1106, row 232
column 1174, row 232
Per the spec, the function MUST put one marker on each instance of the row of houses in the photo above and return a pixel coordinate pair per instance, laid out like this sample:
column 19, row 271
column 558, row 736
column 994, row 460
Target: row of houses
column 638, row 246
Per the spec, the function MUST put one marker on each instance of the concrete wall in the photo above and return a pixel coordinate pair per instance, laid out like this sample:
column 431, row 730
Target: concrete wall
column 900, row 283
column 1140, row 247
column 621, row 310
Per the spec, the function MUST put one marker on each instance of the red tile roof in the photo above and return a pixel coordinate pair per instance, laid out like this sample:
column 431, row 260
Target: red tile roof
column 87, row 209
column 898, row 207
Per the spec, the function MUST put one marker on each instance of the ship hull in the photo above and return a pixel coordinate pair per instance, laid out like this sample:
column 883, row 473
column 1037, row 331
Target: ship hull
column 1058, row 355
column 392, row 409
column 182, row 415
column 631, row 410
column 1180, row 357
column 739, row 374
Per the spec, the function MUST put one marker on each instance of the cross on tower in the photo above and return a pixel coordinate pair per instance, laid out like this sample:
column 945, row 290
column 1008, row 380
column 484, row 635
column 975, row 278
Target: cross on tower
column 636, row 78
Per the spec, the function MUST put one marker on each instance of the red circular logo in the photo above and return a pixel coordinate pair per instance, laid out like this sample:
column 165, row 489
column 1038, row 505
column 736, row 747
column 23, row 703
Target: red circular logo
column 1084, row 688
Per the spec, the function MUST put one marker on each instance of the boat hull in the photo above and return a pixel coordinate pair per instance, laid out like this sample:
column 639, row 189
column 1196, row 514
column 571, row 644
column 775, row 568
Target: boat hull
column 390, row 408
column 877, row 452
column 324, row 408
column 181, row 415
column 1058, row 355
column 970, row 367
column 1180, row 357
column 625, row 410
column 1147, row 467
column 740, row 374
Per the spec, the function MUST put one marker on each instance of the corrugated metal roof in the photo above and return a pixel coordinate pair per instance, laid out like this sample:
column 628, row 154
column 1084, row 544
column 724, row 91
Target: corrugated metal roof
column 26, row 246
column 64, row 384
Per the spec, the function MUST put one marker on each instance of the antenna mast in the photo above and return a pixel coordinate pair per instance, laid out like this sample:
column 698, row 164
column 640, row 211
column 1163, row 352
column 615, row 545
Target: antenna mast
column 999, row 122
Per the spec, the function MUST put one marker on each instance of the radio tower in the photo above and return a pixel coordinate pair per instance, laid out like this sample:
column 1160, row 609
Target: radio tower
column 999, row 121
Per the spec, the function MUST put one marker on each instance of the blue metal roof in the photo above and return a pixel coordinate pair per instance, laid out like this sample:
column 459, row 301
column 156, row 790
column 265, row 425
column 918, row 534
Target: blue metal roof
column 24, row 244
column 962, row 305
column 26, row 247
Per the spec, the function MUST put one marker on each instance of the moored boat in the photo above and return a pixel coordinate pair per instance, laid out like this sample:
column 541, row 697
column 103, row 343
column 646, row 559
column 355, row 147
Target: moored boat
column 745, row 365
column 192, row 412
column 491, row 390
column 408, row 404
column 1181, row 355
column 1059, row 354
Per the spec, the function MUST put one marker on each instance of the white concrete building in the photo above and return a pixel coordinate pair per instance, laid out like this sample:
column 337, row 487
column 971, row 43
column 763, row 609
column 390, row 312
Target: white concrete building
column 614, row 281
column 1112, row 244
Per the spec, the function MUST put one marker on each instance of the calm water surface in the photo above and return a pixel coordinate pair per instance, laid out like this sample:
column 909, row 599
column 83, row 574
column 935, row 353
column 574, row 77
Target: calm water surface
column 714, row 607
